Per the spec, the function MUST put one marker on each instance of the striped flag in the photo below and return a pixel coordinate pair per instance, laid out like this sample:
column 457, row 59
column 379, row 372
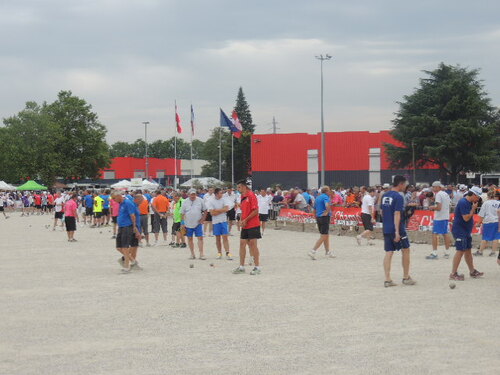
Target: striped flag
column 192, row 120
column 178, row 120
column 237, row 125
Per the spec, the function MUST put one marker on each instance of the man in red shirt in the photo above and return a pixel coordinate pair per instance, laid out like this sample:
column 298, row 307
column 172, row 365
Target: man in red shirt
column 250, row 228
column 50, row 202
column 38, row 202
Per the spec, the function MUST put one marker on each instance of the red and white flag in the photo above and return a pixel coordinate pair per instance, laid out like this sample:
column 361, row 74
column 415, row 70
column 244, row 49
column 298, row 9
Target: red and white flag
column 178, row 120
column 236, row 122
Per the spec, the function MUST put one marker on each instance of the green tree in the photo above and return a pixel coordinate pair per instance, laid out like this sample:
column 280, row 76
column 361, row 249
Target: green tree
column 242, row 145
column 211, row 153
column 158, row 149
column 120, row 149
column 81, row 137
column 449, row 121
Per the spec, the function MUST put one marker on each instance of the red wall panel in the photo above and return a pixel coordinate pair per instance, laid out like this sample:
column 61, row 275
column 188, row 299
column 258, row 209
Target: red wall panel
column 125, row 167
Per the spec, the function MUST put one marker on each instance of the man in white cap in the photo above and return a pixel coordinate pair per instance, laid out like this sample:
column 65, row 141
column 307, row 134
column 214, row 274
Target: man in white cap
column 462, row 229
column 441, row 210
column 459, row 194
column 193, row 216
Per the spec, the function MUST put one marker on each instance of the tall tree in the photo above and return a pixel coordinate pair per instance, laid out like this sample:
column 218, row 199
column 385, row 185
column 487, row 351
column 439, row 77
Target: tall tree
column 158, row 149
column 448, row 121
column 81, row 137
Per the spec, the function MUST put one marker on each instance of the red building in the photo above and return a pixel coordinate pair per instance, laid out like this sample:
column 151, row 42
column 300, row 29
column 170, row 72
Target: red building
column 127, row 168
column 352, row 158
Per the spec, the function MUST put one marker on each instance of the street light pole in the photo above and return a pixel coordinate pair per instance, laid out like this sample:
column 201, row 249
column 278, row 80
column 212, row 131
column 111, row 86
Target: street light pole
column 146, row 142
column 413, row 162
column 322, row 58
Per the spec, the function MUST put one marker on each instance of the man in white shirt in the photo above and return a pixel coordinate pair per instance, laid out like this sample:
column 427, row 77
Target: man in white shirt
column 367, row 215
column 488, row 217
column 193, row 217
column 59, row 210
column 218, row 207
column 264, row 201
column 231, row 198
column 299, row 201
column 440, row 225
column 207, row 227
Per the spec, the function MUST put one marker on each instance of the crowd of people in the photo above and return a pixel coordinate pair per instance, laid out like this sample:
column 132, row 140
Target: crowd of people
column 137, row 218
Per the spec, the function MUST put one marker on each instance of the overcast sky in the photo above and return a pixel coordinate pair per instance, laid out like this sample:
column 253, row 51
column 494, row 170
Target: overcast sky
column 131, row 59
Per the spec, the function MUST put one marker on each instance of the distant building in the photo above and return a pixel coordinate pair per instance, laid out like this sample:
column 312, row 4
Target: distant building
column 352, row 158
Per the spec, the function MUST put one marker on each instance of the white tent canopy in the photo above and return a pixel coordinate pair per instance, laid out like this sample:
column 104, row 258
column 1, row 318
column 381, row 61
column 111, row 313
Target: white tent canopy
column 203, row 181
column 126, row 184
column 6, row 186
column 123, row 184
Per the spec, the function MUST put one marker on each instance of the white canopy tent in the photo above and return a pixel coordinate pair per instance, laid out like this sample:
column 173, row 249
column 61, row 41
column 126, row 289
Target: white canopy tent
column 135, row 185
column 6, row 186
column 203, row 181
column 123, row 184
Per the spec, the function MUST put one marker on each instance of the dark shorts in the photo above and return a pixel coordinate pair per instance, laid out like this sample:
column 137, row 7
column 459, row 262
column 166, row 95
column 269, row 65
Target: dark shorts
column 231, row 214
column 98, row 215
column 263, row 217
column 144, row 224
column 367, row 221
column 88, row 211
column 160, row 223
column 238, row 217
column 323, row 223
column 1, row 208
column 105, row 211
column 390, row 245
column 125, row 238
column 37, row 206
column 209, row 217
column 114, row 219
column 463, row 242
column 70, row 222
column 176, row 227
column 59, row 215
column 250, row 233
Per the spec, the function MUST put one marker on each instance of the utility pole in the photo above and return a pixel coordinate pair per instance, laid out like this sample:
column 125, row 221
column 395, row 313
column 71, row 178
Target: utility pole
column 146, row 123
column 322, row 58
column 274, row 125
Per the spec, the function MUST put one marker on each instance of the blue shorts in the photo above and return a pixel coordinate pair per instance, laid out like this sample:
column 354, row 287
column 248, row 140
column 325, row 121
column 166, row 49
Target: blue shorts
column 221, row 229
column 198, row 231
column 490, row 232
column 440, row 227
column 390, row 245
column 463, row 242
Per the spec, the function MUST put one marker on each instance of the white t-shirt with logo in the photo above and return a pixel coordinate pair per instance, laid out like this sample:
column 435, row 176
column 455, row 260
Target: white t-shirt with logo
column 264, row 204
column 489, row 211
column 58, row 204
column 218, row 204
column 367, row 204
column 443, row 198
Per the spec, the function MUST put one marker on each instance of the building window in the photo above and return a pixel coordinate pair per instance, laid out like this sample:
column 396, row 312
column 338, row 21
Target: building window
column 109, row 175
column 160, row 173
column 139, row 173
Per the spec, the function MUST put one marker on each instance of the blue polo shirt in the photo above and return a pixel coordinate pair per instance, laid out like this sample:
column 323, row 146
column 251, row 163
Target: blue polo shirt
column 106, row 200
column 127, row 208
column 392, row 201
column 307, row 197
column 460, row 226
column 148, row 197
column 89, row 201
column 320, row 204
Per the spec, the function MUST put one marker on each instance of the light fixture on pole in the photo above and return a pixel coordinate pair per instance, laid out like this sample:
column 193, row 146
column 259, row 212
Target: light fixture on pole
column 146, row 123
column 322, row 58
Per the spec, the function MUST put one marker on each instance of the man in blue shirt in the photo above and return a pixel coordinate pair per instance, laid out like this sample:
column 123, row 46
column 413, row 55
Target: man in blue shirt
column 395, row 237
column 322, row 212
column 88, row 203
column 462, row 229
column 105, row 207
column 128, row 234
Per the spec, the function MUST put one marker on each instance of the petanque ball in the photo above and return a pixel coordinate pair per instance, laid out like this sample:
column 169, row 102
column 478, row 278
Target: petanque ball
column 191, row 265
column 452, row 285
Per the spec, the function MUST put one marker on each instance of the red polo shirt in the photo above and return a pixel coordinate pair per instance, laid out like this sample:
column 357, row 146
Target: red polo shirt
column 248, row 204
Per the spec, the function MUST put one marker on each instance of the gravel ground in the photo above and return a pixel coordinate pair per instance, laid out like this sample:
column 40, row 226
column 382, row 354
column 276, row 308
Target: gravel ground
column 67, row 310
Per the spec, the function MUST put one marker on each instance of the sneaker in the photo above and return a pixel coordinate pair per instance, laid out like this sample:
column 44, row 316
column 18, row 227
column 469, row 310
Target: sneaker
column 183, row 245
column 255, row 271
column 476, row 274
column 492, row 254
column 135, row 266
column 446, row 256
column 457, row 277
column 409, row 281
column 121, row 261
column 177, row 245
column 229, row 256
column 358, row 239
column 478, row 253
column 171, row 244
column 125, row 270
column 113, row 237
column 238, row 270
column 219, row 256
column 431, row 256
column 202, row 257
column 148, row 245
column 192, row 257
column 330, row 254
column 312, row 254
column 388, row 284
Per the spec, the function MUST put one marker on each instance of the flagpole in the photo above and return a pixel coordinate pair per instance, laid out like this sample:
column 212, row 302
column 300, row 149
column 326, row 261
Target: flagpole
column 232, row 161
column 191, row 146
column 220, row 153
column 175, row 148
